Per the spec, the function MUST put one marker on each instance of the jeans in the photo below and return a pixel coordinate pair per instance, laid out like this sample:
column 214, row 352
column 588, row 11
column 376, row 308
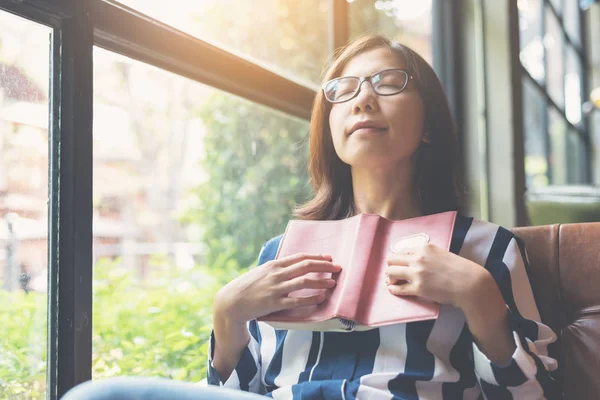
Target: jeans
column 152, row 389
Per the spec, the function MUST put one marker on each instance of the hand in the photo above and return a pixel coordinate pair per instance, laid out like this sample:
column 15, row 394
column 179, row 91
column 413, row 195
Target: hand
column 265, row 289
column 436, row 274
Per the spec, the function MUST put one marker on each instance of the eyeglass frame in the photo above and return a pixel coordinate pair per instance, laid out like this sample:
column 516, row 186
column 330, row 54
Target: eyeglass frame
column 368, row 79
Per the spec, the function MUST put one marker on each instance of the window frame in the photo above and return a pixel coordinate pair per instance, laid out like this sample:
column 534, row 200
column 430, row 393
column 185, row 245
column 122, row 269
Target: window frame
column 78, row 26
column 70, row 189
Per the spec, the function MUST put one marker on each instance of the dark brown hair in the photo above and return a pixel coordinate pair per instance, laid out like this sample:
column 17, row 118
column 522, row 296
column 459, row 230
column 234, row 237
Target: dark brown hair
column 438, row 176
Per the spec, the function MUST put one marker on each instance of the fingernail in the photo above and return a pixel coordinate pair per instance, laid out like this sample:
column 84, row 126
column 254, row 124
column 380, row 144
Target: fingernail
column 326, row 256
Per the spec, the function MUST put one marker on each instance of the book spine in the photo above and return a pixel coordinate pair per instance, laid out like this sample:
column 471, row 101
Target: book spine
column 364, row 237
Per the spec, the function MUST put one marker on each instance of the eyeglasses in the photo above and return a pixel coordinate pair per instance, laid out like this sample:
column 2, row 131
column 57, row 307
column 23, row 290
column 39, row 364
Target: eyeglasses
column 385, row 83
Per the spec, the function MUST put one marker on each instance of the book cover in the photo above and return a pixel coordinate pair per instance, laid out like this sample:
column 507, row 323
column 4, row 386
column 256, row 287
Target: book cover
column 361, row 245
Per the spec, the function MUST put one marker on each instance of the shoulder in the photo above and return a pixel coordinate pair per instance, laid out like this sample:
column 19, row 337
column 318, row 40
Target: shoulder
column 481, row 240
column 476, row 229
column 269, row 250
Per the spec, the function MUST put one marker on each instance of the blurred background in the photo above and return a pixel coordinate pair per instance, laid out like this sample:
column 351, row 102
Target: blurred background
column 191, row 176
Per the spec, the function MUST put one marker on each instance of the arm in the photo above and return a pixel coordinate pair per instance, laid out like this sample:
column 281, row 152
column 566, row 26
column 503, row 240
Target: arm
column 487, row 317
column 234, row 335
column 510, row 342
column 237, row 363
column 231, row 350
column 234, row 348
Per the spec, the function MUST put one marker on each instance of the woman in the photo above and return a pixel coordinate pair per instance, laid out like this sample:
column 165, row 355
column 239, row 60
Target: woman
column 385, row 143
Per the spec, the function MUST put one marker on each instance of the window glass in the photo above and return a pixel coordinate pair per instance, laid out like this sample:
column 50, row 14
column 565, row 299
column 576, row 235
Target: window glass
column 559, row 156
column 577, row 158
column 572, row 21
column 561, row 74
column 558, row 5
column 573, row 98
column 536, row 163
column 595, row 150
column 24, row 77
column 554, row 42
column 189, row 182
column 532, row 45
column 289, row 36
column 404, row 21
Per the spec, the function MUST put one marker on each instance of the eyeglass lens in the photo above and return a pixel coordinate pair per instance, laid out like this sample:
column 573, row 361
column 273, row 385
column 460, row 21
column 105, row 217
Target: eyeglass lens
column 384, row 83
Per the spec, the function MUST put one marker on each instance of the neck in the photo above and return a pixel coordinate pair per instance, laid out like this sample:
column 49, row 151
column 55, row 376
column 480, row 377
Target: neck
column 390, row 193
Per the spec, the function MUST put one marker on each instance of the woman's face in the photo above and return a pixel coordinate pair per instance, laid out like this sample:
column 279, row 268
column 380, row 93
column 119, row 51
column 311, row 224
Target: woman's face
column 399, row 116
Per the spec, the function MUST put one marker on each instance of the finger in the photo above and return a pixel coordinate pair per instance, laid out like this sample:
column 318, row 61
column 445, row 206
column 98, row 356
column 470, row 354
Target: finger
column 293, row 302
column 307, row 266
column 406, row 289
column 304, row 282
column 392, row 281
column 296, row 258
column 395, row 272
column 400, row 259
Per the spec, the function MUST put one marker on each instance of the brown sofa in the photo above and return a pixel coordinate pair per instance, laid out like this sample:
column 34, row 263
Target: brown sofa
column 565, row 274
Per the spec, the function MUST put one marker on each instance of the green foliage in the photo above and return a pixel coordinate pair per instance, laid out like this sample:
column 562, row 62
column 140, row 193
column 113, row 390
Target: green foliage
column 158, row 328
column 255, row 161
column 22, row 345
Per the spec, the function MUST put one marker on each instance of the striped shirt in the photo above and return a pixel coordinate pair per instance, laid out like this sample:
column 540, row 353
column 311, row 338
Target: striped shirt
column 418, row 360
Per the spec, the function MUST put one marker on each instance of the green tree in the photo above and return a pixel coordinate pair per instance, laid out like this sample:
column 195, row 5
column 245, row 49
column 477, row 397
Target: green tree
column 255, row 161
column 255, row 158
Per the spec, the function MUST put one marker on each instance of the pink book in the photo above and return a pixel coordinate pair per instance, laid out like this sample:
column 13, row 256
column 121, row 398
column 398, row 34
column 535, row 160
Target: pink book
column 361, row 245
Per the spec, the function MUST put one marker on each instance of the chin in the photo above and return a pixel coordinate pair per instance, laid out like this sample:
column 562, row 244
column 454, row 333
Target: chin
column 370, row 161
column 374, row 160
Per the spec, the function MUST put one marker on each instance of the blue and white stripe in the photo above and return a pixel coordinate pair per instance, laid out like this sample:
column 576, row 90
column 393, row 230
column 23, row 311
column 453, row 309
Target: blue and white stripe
column 433, row 360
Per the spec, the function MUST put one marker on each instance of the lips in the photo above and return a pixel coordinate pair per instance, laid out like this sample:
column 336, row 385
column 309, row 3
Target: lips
column 366, row 126
column 367, row 130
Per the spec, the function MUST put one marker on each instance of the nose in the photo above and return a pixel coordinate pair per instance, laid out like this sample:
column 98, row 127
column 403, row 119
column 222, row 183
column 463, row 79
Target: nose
column 366, row 99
